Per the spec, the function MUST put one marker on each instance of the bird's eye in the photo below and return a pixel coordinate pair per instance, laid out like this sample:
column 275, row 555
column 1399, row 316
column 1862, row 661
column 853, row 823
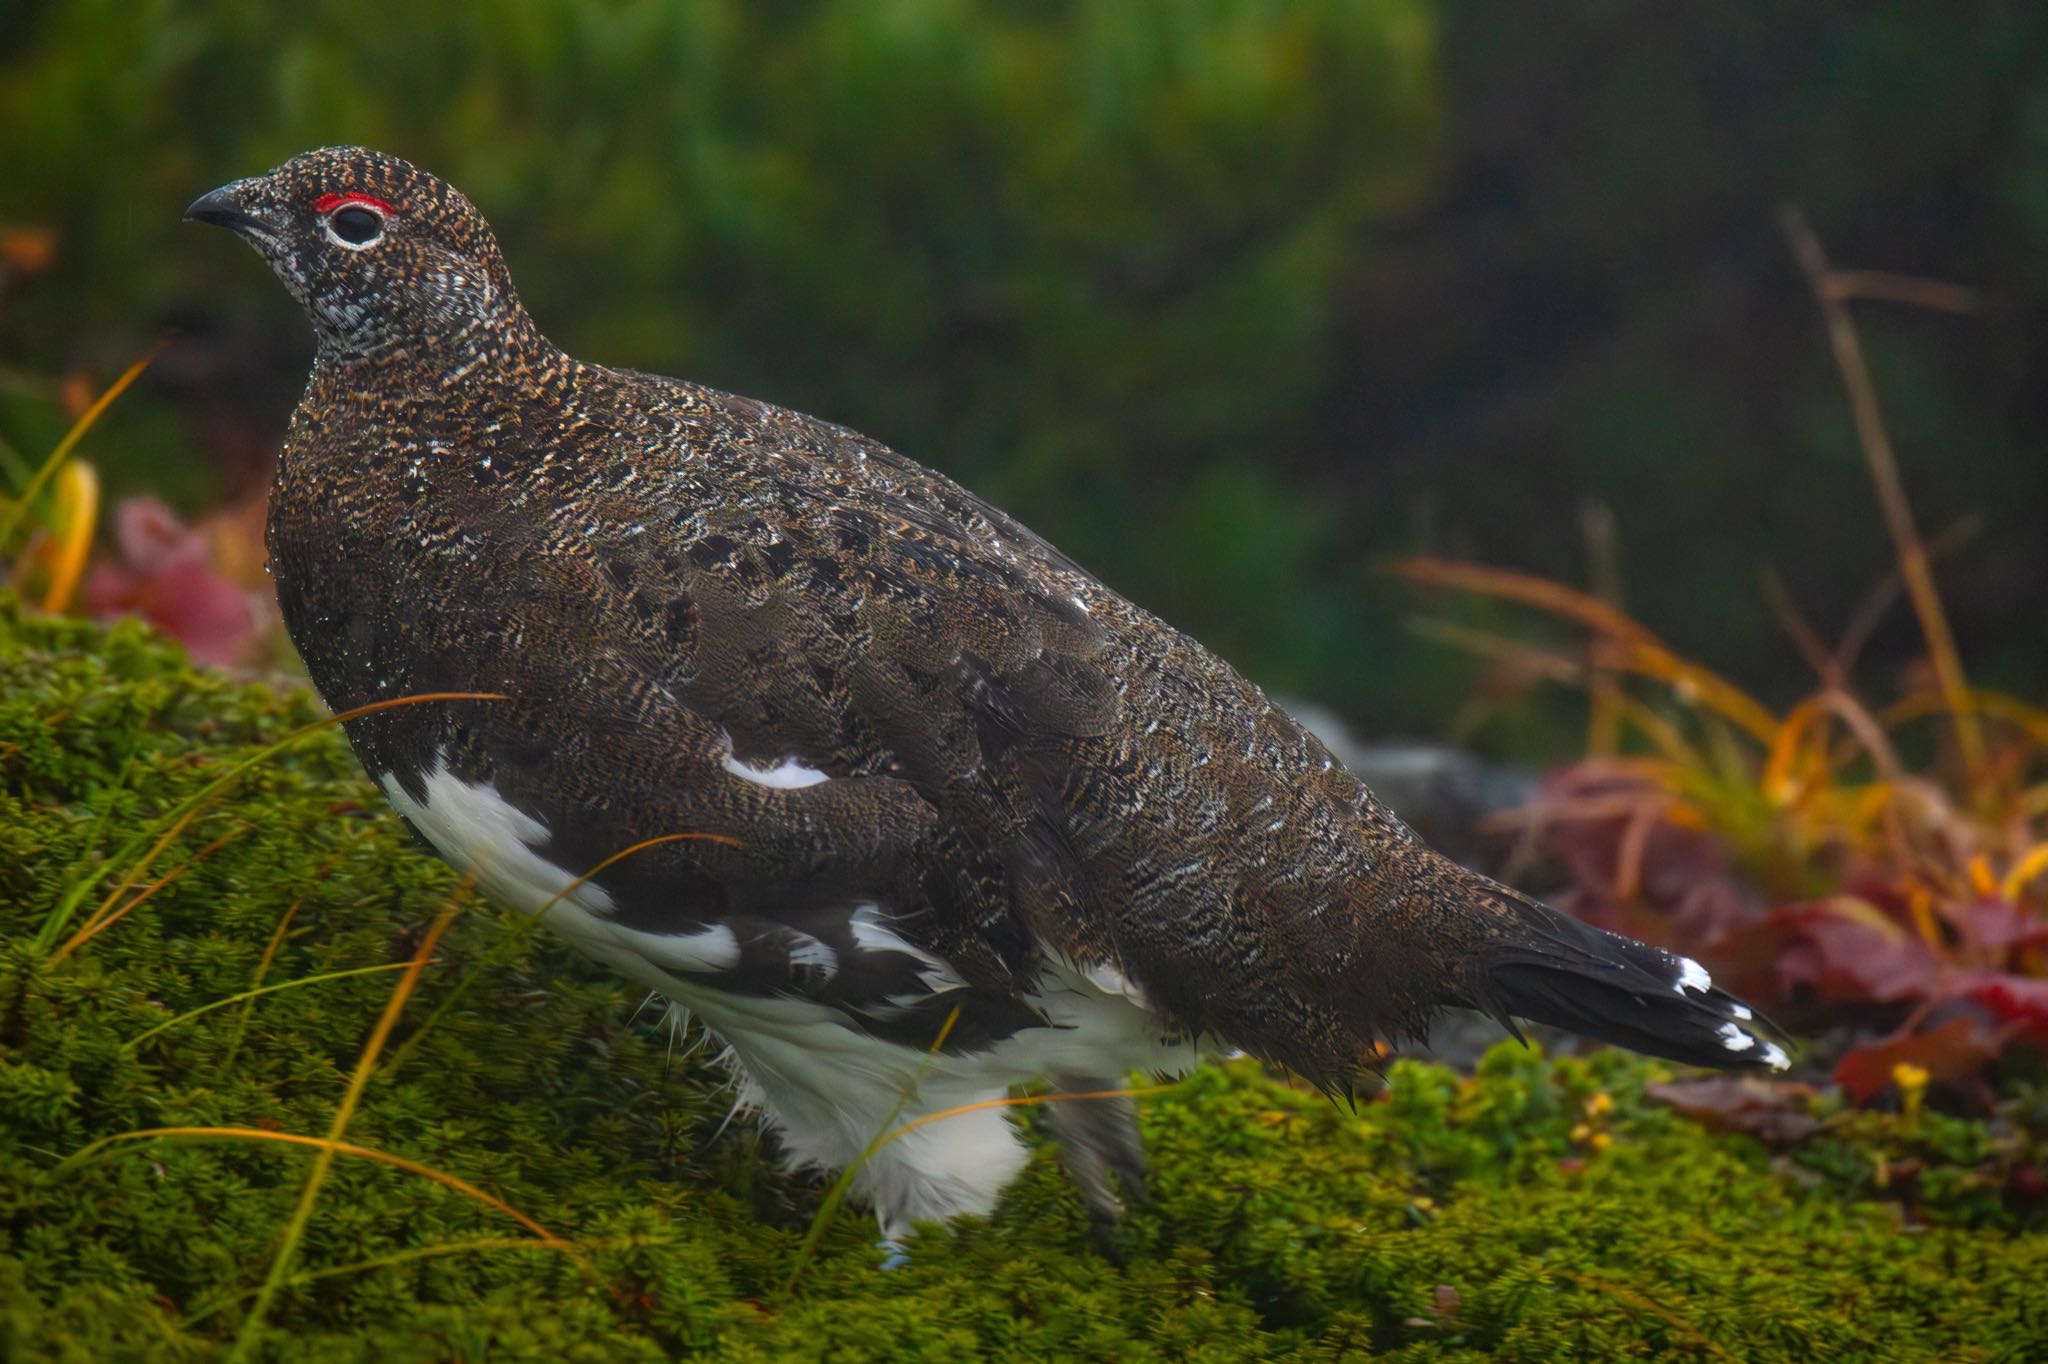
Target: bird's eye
column 356, row 225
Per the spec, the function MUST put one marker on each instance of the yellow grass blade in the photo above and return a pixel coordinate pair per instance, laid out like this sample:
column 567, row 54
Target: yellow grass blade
column 1882, row 286
column 625, row 853
column 526, row 927
column 344, row 1113
column 1866, row 731
column 259, row 991
column 1690, row 682
column 1020, row 1101
column 1546, row 664
column 2032, row 863
column 418, row 1253
column 1637, row 650
column 100, row 923
column 86, row 420
column 1786, row 749
column 182, row 814
column 1662, row 734
column 1860, row 910
column 1920, row 905
column 1527, row 588
column 270, row 951
column 277, row 936
column 2029, row 719
column 78, row 504
column 835, row 1197
column 62, row 913
column 344, row 1148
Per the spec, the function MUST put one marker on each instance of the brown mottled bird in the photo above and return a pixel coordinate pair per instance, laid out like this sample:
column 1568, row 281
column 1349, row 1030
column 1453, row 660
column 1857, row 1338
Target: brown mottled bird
column 938, row 771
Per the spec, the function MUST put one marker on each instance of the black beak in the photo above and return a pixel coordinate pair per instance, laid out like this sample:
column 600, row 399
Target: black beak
column 222, row 209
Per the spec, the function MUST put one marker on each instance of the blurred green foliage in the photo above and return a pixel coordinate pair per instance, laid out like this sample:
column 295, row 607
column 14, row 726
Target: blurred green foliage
column 1229, row 297
column 1539, row 1210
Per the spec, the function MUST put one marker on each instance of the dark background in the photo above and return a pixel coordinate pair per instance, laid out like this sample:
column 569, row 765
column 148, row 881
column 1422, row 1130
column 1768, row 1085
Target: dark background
column 1233, row 299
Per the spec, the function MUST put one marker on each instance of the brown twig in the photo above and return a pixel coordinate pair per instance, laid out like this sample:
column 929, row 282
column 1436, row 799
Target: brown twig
column 1800, row 631
column 1878, row 453
column 1881, row 286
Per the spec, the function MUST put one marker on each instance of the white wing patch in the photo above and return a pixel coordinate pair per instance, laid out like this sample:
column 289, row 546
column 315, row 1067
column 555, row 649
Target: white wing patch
column 711, row 949
column 1111, row 981
column 1692, row 976
column 871, row 934
column 787, row 775
column 809, row 951
column 481, row 832
column 1735, row 1039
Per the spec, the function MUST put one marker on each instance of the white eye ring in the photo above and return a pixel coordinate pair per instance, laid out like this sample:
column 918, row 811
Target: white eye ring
column 327, row 225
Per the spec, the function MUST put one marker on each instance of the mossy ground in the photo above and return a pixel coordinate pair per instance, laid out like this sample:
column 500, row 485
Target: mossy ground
column 1456, row 1218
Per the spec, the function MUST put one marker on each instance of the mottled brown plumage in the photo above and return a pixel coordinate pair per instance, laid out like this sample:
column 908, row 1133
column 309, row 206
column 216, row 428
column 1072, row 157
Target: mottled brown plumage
column 716, row 616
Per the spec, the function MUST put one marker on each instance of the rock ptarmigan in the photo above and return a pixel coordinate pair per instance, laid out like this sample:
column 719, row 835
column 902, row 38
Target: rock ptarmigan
column 938, row 771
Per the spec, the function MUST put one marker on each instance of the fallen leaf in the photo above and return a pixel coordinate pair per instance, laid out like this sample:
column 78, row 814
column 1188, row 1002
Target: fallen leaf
column 1998, row 925
column 1950, row 1054
column 1778, row 1113
column 1845, row 951
column 2017, row 999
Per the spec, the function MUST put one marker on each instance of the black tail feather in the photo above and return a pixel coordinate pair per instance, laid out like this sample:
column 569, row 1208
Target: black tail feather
column 1558, row 971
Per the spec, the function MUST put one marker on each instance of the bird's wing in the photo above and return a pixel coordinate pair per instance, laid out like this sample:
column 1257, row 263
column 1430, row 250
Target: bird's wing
column 889, row 625
column 851, row 683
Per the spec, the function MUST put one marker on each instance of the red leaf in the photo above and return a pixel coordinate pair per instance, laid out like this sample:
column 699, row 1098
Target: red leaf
column 2019, row 999
column 1846, row 950
column 1998, row 925
column 1950, row 1054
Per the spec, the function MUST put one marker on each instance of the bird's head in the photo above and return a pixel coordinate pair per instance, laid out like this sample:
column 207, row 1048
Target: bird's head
column 380, row 254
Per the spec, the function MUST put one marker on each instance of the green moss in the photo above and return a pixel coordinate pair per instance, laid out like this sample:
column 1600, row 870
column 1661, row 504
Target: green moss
column 1456, row 1218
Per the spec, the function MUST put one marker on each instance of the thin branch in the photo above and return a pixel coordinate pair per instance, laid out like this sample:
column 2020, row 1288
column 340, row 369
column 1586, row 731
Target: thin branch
column 1891, row 492
column 1799, row 630
column 1881, row 286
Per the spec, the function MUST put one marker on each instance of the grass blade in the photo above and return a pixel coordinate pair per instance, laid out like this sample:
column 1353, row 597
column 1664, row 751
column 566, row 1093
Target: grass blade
column 178, row 816
column 78, row 497
column 418, row 1253
column 16, row 513
column 87, row 1154
column 100, row 923
column 1636, row 649
column 344, row 1113
column 260, row 990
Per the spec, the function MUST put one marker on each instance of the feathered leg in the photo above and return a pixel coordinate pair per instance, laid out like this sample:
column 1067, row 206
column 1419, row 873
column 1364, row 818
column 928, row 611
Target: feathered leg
column 1099, row 1145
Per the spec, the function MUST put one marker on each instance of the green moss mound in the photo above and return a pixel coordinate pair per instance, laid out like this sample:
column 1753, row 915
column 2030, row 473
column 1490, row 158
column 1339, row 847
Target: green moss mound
column 1511, row 1215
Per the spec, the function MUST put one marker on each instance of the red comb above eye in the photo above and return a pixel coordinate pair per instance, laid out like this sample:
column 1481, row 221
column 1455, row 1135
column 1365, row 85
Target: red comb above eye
column 327, row 203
